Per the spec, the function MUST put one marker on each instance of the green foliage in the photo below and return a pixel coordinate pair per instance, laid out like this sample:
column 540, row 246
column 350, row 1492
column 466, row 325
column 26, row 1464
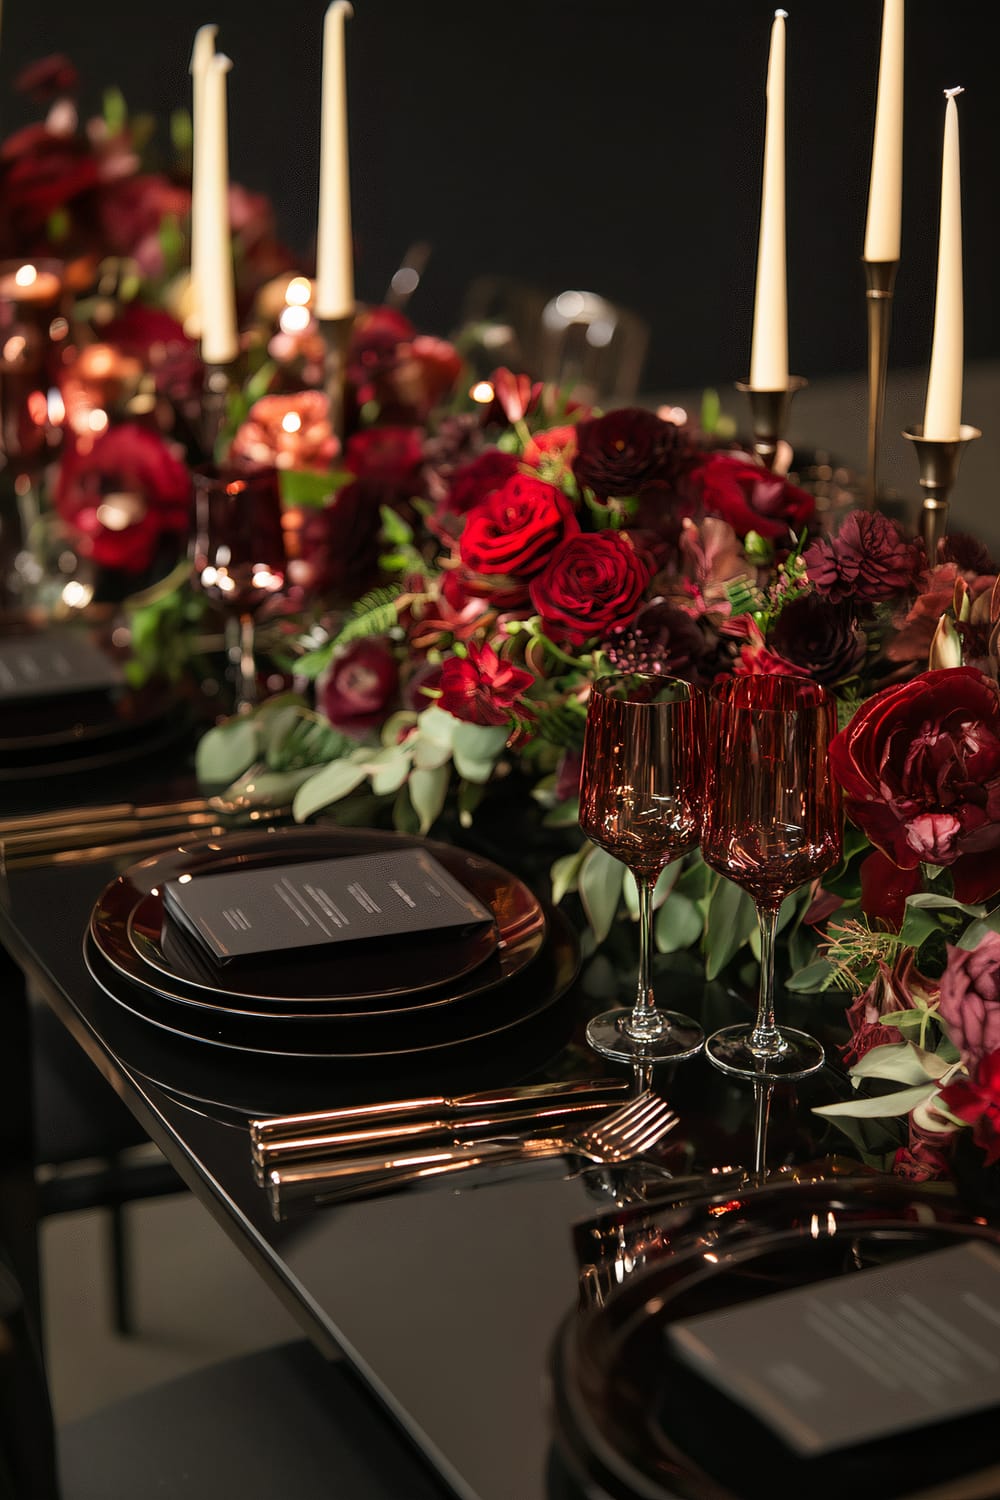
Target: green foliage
column 375, row 613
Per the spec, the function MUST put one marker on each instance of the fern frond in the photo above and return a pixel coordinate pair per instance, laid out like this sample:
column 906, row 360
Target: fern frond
column 561, row 725
column 375, row 613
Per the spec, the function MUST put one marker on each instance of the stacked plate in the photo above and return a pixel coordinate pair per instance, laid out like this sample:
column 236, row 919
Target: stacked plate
column 411, row 993
column 636, row 1421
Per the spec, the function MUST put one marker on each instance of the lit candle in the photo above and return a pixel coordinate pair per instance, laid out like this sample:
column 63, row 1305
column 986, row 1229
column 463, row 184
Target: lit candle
column 943, row 412
column 334, row 257
column 769, row 349
column 885, row 192
column 219, row 341
column 28, row 284
column 201, row 56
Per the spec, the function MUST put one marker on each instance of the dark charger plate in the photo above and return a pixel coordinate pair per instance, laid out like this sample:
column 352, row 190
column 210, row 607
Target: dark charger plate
column 634, row 1422
column 347, row 981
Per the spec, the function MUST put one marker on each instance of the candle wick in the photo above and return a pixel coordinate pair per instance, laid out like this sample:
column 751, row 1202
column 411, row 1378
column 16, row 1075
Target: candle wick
column 952, row 93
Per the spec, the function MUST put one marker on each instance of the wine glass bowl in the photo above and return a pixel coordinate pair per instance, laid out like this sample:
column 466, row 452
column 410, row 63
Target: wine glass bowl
column 641, row 800
column 772, row 823
column 238, row 554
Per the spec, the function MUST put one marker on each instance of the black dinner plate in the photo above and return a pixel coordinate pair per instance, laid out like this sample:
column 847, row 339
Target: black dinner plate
column 634, row 1422
column 355, row 981
column 503, row 1008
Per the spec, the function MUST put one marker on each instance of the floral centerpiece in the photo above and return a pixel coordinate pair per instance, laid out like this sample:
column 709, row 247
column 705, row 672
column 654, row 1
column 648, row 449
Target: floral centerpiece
column 472, row 555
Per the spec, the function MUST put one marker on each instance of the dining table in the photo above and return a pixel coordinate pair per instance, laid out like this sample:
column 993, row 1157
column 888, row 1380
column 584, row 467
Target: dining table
column 447, row 1297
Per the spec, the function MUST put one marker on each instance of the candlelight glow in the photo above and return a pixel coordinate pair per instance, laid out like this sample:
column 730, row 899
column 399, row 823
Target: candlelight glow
column 482, row 392
column 298, row 292
column 97, row 420
column 291, row 421
column 26, row 275
column 294, row 319
column 117, row 512
column 77, row 595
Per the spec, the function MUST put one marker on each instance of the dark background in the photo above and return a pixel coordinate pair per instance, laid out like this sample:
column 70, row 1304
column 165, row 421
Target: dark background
column 614, row 147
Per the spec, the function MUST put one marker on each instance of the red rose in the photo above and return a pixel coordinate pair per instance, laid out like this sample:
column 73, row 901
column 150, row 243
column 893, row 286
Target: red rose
column 515, row 530
column 920, row 764
column 970, row 998
column 424, row 373
column 620, row 452
column 468, row 486
column 359, row 686
column 375, row 339
column 748, row 497
column 481, row 688
column 976, row 1101
column 591, row 583
column 390, row 456
column 122, row 495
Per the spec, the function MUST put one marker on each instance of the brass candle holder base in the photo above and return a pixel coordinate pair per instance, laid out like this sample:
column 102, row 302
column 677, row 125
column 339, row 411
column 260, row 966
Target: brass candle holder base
column 217, row 386
column 880, row 280
column 938, row 460
column 336, row 336
column 768, row 415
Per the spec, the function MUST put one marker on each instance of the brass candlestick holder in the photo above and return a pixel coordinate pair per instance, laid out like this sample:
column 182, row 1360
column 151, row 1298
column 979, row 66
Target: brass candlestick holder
column 769, row 414
column 336, row 336
column 217, row 386
column 880, row 280
column 938, row 460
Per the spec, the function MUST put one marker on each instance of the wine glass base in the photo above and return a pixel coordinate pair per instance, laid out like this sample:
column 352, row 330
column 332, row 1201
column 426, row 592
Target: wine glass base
column 730, row 1051
column 680, row 1037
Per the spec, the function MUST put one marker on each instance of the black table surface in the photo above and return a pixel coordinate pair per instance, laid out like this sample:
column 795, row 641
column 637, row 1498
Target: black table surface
column 445, row 1298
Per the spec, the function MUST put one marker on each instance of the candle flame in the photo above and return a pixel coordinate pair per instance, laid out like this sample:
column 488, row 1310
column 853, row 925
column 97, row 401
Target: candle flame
column 26, row 276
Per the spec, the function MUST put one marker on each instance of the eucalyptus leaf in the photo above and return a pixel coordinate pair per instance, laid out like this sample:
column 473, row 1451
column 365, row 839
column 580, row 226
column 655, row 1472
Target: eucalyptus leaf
column 976, row 931
column 731, row 919
column 327, row 785
column 470, row 794
column 931, row 900
column 226, row 751
column 429, row 754
column 389, row 769
column 565, row 872
column 476, row 748
column 428, row 791
column 270, row 788
column 906, row 1064
column 918, row 925
column 600, row 888
column 437, row 724
column 678, row 924
column 813, row 979
column 899, row 1102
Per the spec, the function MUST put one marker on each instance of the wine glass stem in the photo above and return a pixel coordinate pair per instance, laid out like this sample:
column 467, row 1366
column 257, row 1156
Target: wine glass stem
column 644, row 1023
column 765, row 1038
column 240, row 649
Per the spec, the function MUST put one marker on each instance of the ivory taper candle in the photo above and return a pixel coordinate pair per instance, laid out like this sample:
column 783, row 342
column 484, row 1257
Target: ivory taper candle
column 334, row 250
column 219, row 339
column 885, row 191
column 769, row 347
column 201, row 56
column 943, row 412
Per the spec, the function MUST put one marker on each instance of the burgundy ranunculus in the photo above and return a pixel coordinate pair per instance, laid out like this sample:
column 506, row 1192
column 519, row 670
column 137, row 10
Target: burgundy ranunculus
column 592, row 582
column 920, row 766
column 869, row 559
column 820, row 638
column 122, row 495
column 748, row 497
column 970, row 998
column 514, row 531
column 661, row 638
column 618, row 453
column 359, row 686
column 481, row 688
column 976, row 1101
column 471, row 484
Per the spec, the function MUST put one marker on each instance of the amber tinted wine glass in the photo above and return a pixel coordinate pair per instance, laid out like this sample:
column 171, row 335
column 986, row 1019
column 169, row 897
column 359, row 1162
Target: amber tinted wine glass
column 239, row 556
column 772, row 822
column 641, row 800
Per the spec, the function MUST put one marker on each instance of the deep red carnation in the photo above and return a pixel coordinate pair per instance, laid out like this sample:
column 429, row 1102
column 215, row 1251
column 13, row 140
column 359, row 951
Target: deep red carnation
column 481, row 688
column 592, row 582
column 748, row 497
column 868, row 559
column 359, row 686
column 122, row 495
column 618, row 453
column 920, row 766
column 514, row 532
column 976, row 1101
column 970, row 998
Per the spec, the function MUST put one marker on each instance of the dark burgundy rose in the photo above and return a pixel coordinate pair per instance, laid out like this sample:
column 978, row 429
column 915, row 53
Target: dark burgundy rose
column 920, row 766
column 338, row 545
column 970, row 998
column 359, row 687
column 661, row 638
column 122, row 495
column 481, row 688
column 618, row 453
column 822, row 639
column 748, row 497
column 389, row 456
column 375, row 339
column 420, row 379
column 869, row 559
column 928, row 1153
column 41, row 171
column 592, row 582
column 469, row 486
column 514, row 531
column 976, row 1101
column 48, row 78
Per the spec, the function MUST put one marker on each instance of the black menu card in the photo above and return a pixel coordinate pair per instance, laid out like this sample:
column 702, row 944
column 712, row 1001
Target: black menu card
column 46, row 666
column 861, row 1356
column 247, row 913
